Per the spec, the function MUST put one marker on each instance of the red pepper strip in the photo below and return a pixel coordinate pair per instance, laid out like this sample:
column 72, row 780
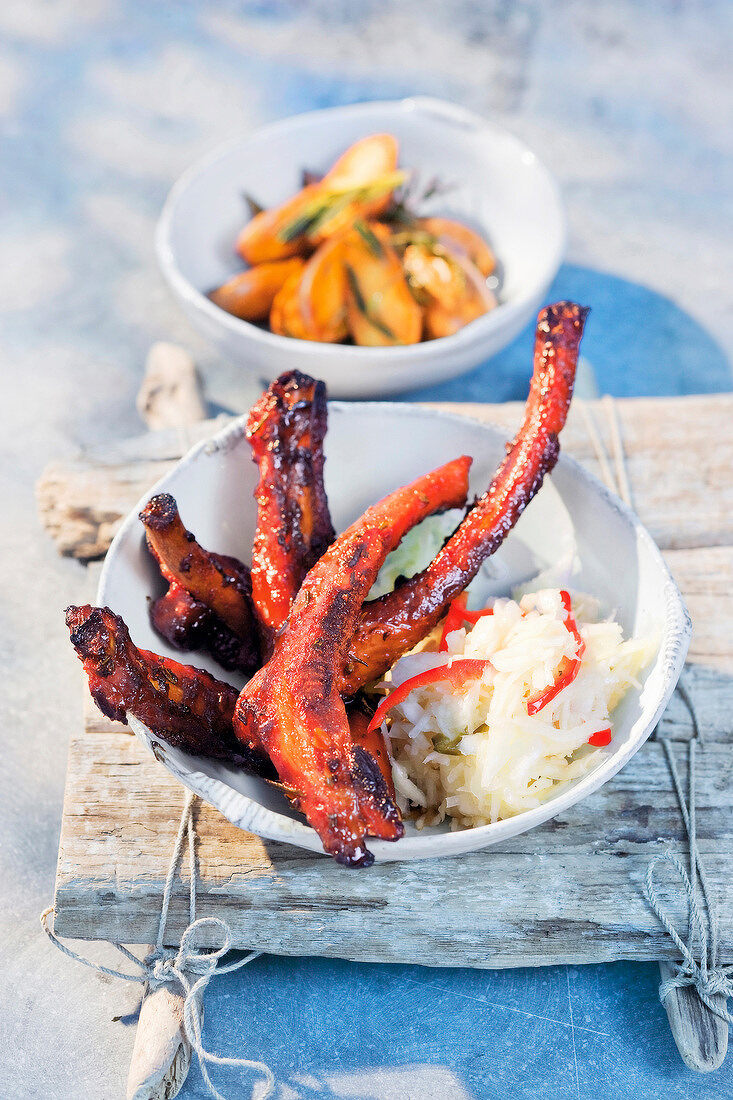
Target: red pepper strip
column 598, row 740
column 474, row 616
column 569, row 667
column 453, row 620
column 457, row 615
column 456, row 674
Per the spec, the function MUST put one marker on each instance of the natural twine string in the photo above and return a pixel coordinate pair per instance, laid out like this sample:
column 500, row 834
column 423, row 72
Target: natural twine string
column 188, row 967
column 706, row 975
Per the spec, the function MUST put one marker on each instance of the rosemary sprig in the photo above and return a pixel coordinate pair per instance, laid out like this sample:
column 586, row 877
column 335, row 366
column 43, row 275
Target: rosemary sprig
column 306, row 223
column 355, row 289
column 403, row 210
column 253, row 206
column 363, row 306
column 371, row 240
column 307, row 177
column 334, row 200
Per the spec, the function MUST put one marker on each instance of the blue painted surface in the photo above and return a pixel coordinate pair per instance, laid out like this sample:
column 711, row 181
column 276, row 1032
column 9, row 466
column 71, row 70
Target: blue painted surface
column 101, row 106
column 639, row 342
column 336, row 1029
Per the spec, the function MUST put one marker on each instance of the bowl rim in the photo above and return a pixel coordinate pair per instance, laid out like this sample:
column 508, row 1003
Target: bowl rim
column 502, row 316
column 253, row 817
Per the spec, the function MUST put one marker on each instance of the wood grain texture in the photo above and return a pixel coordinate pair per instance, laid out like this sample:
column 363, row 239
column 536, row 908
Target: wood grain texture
column 711, row 691
column 171, row 394
column 701, row 1036
column 82, row 501
column 705, row 577
column 569, row 891
column 162, row 1053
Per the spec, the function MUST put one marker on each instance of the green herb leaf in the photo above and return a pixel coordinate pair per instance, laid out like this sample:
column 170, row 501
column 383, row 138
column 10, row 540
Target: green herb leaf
column 362, row 305
column 332, row 202
column 371, row 240
column 355, row 289
column 380, row 326
column 306, row 223
column 446, row 746
column 253, row 206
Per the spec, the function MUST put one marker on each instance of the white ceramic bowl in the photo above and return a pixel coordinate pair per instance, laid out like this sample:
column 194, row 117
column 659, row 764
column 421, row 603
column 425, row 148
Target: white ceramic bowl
column 501, row 187
column 370, row 450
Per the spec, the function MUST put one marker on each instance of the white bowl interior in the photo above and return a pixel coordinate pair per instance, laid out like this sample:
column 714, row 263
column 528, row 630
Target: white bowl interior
column 370, row 450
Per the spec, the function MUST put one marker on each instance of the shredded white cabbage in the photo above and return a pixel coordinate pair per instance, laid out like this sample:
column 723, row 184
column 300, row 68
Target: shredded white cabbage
column 419, row 547
column 416, row 551
column 475, row 755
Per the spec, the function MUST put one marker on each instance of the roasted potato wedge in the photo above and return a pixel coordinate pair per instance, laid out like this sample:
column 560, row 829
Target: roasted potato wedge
column 277, row 234
column 322, row 293
column 436, row 276
column 443, row 318
column 359, row 185
column 250, row 295
column 286, row 318
column 381, row 310
column 369, row 159
column 460, row 237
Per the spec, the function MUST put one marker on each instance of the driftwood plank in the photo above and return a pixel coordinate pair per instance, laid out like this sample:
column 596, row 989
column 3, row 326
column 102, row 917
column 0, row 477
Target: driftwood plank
column 705, row 577
column 711, row 691
column 570, row 890
column 171, row 394
column 681, row 484
column 82, row 506
column 701, row 1035
column 83, row 501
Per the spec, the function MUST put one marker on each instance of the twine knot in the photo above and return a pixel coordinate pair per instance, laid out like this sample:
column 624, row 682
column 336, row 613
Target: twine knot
column 719, row 981
column 160, row 971
column 702, row 972
column 709, row 979
column 190, row 966
column 167, row 966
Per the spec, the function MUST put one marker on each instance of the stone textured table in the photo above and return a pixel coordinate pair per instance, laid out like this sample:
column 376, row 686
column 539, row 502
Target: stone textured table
column 101, row 106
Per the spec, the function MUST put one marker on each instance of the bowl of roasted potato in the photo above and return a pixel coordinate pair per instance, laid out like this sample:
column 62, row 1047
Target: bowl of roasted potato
column 382, row 246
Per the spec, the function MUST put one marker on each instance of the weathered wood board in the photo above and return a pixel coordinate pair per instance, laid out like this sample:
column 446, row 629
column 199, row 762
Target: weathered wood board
column 569, row 891
column 683, row 485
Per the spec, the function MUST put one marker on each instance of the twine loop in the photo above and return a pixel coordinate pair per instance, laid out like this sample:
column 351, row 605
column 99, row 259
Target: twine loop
column 165, row 966
column 700, row 970
column 190, row 966
column 709, row 979
column 703, row 972
column 720, row 981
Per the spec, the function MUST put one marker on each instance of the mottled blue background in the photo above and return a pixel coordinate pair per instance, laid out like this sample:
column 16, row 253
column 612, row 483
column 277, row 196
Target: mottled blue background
column 102, row 105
